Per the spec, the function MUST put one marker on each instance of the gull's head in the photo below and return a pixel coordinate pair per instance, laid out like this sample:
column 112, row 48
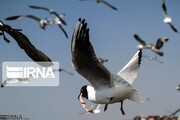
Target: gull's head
column 85, row 90
column 43, row 24
column 167, row 20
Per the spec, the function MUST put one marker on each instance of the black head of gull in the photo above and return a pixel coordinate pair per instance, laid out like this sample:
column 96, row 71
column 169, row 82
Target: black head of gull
column 83, row 92
column 106, row 88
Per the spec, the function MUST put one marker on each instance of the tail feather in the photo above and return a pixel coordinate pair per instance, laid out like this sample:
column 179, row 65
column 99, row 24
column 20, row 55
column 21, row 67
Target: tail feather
column 136, row 97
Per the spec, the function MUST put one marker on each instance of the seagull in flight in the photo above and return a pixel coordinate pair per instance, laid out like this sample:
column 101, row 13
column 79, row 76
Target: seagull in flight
column 167, row 19
column 153, row 47
column 42, row 22
column 51, row 11
column 106, row 3
column 107, row 88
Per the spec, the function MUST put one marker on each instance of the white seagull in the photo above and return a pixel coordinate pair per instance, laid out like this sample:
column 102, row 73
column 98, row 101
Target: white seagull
column 153, row 47
column 51, row 11
column 107, row 88
column 167, row 19
column 42, row 22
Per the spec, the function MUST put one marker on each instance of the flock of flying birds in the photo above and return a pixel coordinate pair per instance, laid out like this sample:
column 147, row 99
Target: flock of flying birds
column 107, row 88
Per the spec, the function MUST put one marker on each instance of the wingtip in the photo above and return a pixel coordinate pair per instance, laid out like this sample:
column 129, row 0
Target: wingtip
column 136, row 36
column 140, row 56
column 82, row 20
column 79, row 19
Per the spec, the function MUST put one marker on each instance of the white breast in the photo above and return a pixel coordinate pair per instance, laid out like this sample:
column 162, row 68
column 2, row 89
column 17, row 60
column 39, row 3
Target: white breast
column 103, row 96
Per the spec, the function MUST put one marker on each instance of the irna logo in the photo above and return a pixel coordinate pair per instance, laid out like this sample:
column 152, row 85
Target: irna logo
column 31, row 73
column 27, row 72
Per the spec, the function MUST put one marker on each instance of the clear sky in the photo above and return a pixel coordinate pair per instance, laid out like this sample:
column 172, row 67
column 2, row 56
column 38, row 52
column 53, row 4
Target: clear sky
column 111, row 34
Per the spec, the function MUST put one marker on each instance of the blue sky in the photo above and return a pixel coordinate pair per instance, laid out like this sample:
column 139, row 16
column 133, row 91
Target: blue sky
column 111, row 34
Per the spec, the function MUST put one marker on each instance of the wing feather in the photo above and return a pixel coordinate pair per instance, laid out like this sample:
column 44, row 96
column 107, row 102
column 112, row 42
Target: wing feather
column 84, row 58
column 129, row 72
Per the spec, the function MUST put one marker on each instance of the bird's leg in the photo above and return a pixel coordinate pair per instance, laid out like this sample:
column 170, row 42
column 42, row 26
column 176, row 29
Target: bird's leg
column 106, row 105
column 122, row 111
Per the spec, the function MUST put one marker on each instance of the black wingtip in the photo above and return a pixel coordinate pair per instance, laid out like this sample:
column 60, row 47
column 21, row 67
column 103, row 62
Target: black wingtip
column 140, row 56
column 83, row 21
column 135, row 36
column 79, row 19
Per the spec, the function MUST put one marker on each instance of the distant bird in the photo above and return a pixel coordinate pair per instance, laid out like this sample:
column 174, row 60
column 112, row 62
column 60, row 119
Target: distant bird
column 167, row 19
column 59, row 16
column 42, row 22
column 107, row 88
column 153, row 47
column 102, row 60
column 106, row 3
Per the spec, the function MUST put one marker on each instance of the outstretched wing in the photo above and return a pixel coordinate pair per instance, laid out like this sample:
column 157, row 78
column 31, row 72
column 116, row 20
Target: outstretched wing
column 129, row 72
column 139, row 39
column 59, row 25
column 173, row 28
column 109, row 5
column 84, row 58
column 38, row 7
column 21, row 16
column 164, row 8
column 160, row 42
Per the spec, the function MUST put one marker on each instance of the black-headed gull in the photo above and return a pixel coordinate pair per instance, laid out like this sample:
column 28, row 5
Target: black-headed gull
column 107, row 88
column 106, row 3
column 51, row 11
column 153, row 47
column 167, row 19
column 42, row 22
column 102, row 60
